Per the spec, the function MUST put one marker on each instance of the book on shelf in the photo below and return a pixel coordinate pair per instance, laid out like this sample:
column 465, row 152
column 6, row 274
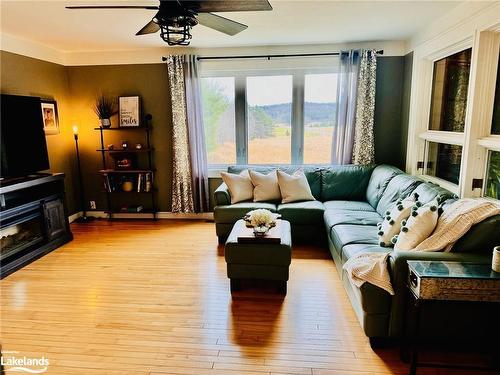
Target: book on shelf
column 142, row 182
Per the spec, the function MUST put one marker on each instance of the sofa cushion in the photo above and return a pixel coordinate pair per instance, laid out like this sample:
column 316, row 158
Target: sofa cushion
column 349, row 251
column 313, row 174
column 380, row 178
column 346, row 182
column 336, row 217
column 310, row 212
column 399, row 187
column 231, row 214
column 346, row 234
column 348, row 205
column 481, row 238
column 427, row 191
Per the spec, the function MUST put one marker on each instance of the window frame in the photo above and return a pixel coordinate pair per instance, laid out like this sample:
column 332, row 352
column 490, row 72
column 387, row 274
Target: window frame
column 298, row 69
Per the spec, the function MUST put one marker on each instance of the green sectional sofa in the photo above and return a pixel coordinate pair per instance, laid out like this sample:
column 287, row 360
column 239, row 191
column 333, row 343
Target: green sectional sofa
column 350, row 201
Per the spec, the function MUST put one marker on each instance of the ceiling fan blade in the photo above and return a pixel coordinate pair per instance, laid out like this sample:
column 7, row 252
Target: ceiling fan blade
column 224, row 25
column 207, row 6
column 113, row 7
column 150, row 28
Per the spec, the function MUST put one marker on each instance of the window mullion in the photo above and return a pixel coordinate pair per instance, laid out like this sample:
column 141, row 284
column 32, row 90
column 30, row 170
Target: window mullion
column 240, row 104
column 298, row 119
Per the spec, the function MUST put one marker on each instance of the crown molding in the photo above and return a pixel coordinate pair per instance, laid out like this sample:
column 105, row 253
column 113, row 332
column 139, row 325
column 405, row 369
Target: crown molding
column 36, row 50
column 29, row 48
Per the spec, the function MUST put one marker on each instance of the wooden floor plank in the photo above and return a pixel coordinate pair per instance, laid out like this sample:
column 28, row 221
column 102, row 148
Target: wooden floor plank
column 152, row 298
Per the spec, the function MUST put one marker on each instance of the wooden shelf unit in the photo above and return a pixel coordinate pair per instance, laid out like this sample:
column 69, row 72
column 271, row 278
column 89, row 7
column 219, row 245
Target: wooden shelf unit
column 106, row 171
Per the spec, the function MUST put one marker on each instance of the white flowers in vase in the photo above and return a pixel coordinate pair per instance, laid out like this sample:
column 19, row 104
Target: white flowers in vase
column 261, row 220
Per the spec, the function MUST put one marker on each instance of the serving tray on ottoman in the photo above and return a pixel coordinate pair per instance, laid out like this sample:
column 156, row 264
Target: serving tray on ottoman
column 258, row 259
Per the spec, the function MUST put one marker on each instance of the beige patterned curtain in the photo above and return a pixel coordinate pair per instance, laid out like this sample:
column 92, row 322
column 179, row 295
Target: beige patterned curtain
column 364, row 139
column 189, row 156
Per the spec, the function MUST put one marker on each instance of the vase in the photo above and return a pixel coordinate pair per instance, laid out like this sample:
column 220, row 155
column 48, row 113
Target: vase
column 127, row 186
column 105, row 122
column 260, row 231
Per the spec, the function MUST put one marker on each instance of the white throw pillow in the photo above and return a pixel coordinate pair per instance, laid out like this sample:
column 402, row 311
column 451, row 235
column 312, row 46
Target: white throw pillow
column 418, row 227
column 240, row 186
column 294, row 187
column 266, row 186
column 391, row 225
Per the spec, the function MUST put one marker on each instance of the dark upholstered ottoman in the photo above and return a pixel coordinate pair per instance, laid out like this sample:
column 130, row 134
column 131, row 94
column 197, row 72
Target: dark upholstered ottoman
column 258, row 260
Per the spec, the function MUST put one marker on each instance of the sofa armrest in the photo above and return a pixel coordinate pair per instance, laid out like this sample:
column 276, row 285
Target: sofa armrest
column 221, row 195
column 398, row 269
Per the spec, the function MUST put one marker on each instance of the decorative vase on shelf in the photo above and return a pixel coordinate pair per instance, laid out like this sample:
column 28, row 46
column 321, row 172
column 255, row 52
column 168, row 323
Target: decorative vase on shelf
column 105, row 122
column 127, row 186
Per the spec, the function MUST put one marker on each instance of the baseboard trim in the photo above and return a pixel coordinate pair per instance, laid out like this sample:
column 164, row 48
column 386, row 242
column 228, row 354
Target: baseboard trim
column 159, row 215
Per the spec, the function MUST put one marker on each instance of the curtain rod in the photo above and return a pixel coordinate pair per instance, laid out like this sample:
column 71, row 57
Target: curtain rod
column 381, row 52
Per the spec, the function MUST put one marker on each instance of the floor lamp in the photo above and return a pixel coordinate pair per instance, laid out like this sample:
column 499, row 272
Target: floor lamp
column 84, row 218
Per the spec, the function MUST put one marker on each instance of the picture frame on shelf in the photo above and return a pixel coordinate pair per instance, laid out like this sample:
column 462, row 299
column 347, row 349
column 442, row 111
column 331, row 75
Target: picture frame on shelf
column 129, row 111
column 50, row 117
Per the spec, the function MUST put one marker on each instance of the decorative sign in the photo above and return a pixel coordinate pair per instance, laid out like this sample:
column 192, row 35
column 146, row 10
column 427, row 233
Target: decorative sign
column 129, row 111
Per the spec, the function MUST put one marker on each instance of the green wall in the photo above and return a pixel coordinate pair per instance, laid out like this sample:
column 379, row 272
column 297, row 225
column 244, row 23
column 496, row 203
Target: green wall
column 75, row 89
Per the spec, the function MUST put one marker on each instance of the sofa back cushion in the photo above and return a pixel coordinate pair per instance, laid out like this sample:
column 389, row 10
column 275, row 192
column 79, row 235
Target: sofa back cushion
column 481, row 238
column 345, row 182
column 399, row 187
column 313, row 174
column 380, row 178
column 428, row 191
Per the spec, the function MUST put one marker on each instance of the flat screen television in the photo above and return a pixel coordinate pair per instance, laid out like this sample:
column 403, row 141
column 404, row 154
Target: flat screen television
column 23, row 145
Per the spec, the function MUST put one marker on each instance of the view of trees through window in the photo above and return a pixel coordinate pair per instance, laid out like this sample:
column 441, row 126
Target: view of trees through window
column 493, row 180
column 269, row 118
column 219, row 119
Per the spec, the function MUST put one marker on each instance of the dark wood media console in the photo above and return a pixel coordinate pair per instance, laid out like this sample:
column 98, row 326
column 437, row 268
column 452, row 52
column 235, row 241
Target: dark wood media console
column 33, row 219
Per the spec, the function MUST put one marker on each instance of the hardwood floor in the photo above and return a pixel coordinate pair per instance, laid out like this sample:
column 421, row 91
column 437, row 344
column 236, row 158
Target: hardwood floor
column 152, row 298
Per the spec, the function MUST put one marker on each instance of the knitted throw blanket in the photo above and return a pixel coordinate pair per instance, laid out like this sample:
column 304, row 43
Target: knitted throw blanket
column 458, row 218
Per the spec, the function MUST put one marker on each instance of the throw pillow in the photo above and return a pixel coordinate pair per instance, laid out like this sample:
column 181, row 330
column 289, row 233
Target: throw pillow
column 294, row 187
column 418, row 227
column 266, row 186
column 391, row 225
column 240, row 186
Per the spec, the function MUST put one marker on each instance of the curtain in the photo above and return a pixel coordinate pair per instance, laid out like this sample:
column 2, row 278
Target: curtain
column 343, row 134
column 364, row 139
column 190, row 171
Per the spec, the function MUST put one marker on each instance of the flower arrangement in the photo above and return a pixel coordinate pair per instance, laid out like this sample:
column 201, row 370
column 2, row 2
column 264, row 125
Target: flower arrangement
column 261, row 218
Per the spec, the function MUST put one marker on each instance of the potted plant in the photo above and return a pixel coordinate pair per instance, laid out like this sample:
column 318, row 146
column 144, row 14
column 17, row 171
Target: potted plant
column 104, row 108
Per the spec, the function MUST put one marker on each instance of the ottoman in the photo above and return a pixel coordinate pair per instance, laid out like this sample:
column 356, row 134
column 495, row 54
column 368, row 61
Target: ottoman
column 258, row 260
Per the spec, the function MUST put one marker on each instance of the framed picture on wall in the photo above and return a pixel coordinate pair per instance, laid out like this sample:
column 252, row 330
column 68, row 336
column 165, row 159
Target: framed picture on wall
column 130, row 111
column 50, row 117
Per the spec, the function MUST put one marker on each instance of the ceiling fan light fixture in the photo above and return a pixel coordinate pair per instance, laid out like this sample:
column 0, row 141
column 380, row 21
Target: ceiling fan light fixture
column 176, row 35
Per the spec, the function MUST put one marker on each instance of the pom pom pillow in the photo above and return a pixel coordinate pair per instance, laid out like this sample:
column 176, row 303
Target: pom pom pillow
column 294, row 187
column 240, row 186
column 418, row 227
column 391, row 225
column 266, row 186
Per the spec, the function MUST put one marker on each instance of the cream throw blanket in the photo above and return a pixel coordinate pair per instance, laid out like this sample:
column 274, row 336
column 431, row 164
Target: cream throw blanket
column 458, row 218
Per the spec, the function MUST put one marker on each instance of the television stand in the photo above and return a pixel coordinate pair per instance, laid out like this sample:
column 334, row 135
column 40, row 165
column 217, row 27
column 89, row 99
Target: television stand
column 33, row 219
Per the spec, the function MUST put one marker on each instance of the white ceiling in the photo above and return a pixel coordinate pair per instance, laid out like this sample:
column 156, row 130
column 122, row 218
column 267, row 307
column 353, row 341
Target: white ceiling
column 291, row 22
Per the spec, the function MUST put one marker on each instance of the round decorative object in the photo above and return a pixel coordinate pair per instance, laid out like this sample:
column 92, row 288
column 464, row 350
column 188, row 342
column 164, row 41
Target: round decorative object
column 138, row 146
column 125, row 145
column 260, row 231
column 127, row 186
column 105, row 122
column 111, row 146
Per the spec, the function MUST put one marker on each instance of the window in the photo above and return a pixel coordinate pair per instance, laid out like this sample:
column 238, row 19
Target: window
column 443, row 161
column 493, row 175
column 219, row 119
column 284, row 114
column 495, row 124
column 320, row 100
column 450, row 85
column 269, row 118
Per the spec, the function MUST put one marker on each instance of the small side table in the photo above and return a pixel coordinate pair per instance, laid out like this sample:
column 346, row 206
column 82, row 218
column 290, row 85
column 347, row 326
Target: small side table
column 446, row 282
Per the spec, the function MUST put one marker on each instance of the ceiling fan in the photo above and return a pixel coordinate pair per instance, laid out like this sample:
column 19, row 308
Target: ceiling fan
column 175, row 18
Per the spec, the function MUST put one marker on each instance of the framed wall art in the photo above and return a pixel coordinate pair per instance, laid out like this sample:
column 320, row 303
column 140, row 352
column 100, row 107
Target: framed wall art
column 50, row 117
column 130, row 111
